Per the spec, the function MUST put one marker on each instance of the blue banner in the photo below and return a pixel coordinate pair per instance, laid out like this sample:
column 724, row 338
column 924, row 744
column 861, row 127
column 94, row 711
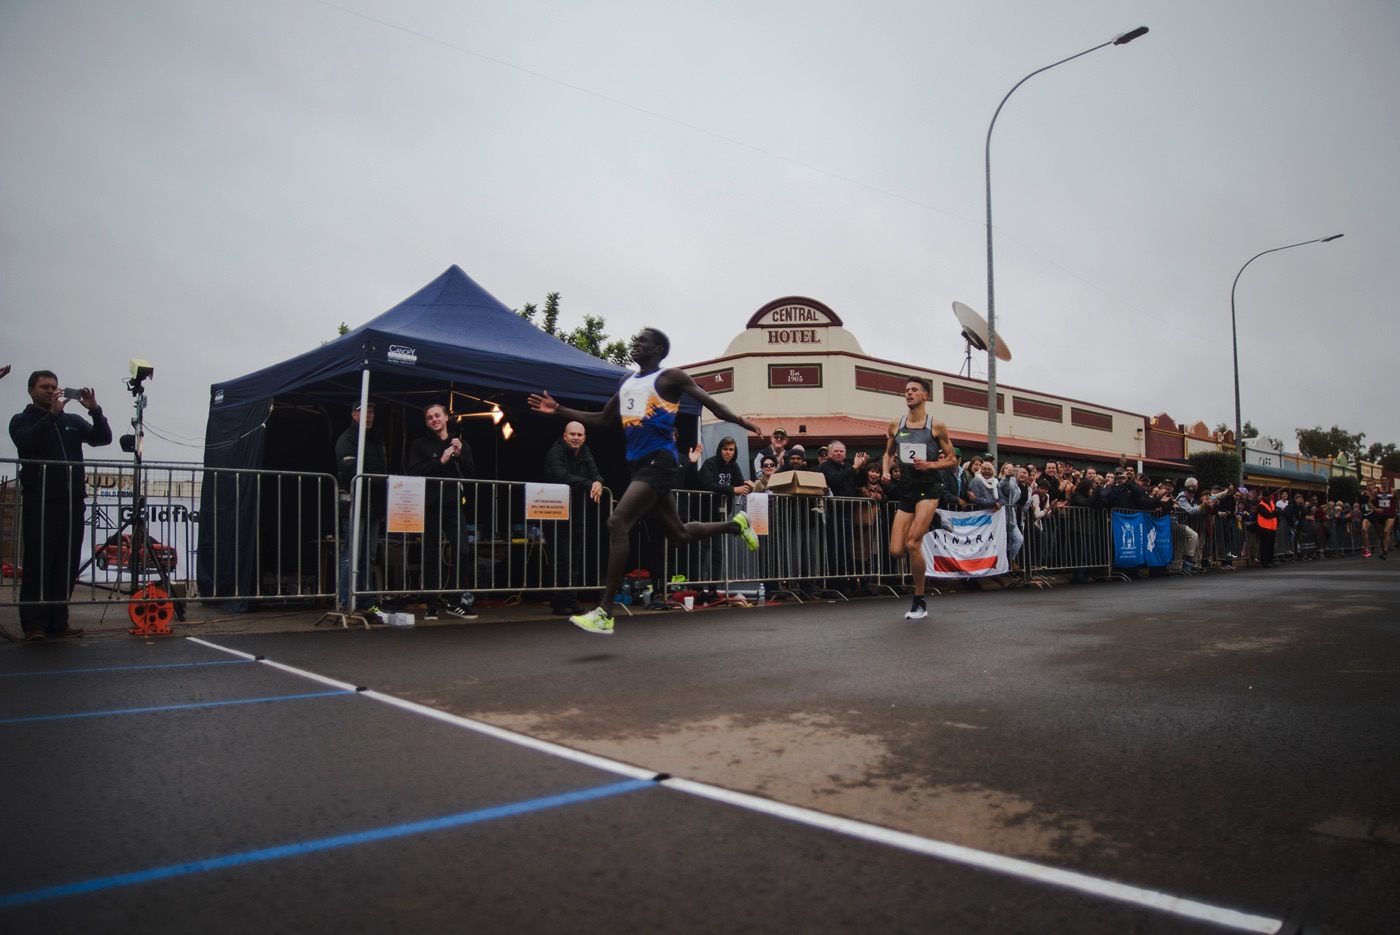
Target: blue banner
column 1129, row 540
column 1159, row 541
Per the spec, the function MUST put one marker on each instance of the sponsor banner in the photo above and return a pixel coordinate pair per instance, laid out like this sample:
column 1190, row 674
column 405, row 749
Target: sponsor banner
column 966, row 545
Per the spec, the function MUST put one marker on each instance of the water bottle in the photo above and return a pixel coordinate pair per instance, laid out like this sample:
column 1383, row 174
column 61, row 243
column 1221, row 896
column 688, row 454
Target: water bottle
column 625, row 596
column 762, row 595
column 646, row 597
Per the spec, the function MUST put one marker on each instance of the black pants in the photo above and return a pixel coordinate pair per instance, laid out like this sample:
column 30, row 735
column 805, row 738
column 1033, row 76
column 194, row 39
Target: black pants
column 1266, row 545
column 53, row 537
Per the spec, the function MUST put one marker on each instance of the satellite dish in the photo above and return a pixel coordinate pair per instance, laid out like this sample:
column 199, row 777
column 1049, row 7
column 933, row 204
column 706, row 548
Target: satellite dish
column 975, row 331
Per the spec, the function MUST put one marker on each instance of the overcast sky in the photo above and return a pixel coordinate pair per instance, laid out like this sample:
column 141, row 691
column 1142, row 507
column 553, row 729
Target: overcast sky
column 215, row 186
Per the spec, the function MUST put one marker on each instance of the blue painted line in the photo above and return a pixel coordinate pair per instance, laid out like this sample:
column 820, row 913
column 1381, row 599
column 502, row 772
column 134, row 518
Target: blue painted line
column 163, row 665
column 324, row 844
column 172, row 707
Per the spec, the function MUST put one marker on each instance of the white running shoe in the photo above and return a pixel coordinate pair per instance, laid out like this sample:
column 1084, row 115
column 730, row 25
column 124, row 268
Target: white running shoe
column 917, row 612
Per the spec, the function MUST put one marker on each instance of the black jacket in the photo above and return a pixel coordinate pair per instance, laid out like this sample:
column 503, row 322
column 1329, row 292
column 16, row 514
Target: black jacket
column 39, row 435
column 376, row 462
column 562, row 465
column 425, row 460
column 840, row 478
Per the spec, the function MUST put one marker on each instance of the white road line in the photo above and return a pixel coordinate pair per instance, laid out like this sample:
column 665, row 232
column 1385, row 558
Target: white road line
column 1095, row 886
column 544, row 746
column 490, row 730
column 1010, row 866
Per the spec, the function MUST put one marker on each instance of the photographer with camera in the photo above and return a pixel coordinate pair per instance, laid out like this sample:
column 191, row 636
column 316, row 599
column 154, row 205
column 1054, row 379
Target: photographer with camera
column 54, row 499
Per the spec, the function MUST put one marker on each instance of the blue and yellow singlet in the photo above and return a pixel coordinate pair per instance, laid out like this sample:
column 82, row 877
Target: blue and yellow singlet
column 648, row 421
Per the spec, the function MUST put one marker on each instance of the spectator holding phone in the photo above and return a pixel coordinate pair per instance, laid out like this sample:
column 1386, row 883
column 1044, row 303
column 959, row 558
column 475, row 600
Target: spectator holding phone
column 54, row 499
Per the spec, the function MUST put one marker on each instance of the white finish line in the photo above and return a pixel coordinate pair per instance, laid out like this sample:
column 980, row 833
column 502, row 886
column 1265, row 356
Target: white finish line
column 956, row 853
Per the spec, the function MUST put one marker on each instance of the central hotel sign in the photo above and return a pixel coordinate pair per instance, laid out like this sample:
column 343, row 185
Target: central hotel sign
column 794, row 322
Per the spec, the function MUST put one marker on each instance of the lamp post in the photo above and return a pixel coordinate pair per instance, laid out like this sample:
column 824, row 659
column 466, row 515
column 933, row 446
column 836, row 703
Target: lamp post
column 991, row 285
column 1235, row 342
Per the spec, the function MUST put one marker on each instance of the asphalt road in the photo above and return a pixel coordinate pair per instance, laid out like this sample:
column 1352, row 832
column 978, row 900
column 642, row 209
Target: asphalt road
column 1228, row 739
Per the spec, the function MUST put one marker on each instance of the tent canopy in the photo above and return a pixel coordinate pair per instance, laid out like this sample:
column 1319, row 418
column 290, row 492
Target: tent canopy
column 450, row 331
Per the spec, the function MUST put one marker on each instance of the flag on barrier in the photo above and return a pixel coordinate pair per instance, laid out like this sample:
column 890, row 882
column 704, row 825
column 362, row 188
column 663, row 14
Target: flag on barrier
column 1139, row 539
column 966, row 545
column 1129, row 534
column 1159, row 541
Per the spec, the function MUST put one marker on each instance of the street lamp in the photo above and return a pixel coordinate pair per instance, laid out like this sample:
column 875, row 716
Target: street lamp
column 1235, row 342
column 991, row 288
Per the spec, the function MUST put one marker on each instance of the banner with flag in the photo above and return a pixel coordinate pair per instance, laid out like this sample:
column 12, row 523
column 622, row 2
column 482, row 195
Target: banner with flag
column 1139, row 539
column 966, row 545
column 1159, row 541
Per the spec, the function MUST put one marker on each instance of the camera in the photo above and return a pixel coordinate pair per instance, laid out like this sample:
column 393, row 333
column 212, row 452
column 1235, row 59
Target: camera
column 140, row 369
column 72, row 392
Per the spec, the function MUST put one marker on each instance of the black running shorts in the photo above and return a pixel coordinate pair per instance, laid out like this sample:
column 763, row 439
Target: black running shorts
column 910, row 495
column 657, row 470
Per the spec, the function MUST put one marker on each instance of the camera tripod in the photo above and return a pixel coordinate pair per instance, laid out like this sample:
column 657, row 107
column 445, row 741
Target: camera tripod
column 150, row 609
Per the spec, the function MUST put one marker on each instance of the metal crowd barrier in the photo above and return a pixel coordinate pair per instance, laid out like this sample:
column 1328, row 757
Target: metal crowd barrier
column 109, row 559
column 814, row 545
column 476, row 538
column 1074, row 540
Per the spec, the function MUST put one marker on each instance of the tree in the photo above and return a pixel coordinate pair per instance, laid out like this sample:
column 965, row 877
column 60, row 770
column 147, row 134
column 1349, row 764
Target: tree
column 1380, row 454
column 1319, row 443
column 1275, row 443
column 1247, row 431
column 1215, row 467
column 591, row 337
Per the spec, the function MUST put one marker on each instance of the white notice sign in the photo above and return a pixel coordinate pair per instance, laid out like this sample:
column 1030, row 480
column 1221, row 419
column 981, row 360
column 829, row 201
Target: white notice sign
column 757, row 508
column 546, row 501
column 406, row 499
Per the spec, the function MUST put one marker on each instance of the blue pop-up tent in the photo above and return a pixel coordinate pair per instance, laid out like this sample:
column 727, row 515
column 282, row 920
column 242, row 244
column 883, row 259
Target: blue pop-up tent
column 451, row 335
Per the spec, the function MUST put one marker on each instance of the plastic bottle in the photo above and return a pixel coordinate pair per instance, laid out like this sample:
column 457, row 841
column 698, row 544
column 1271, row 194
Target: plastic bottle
column 762, row 595
column 625, row 595
column 646, row 597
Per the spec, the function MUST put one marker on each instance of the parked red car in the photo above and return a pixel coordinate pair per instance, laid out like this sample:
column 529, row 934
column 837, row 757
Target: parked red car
column 116, row 553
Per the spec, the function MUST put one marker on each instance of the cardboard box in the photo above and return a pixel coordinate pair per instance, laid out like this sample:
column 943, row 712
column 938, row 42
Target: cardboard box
column 799, row 482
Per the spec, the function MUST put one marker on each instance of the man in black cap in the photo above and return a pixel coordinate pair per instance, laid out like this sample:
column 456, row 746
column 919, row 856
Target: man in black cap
column 777, row 450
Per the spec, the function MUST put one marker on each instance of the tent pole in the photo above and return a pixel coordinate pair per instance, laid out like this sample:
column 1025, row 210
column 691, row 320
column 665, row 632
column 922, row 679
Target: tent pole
column 356, row 500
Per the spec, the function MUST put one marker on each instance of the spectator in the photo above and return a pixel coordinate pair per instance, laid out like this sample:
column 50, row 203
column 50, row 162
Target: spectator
column 767, row 468
column 777, row 450
column 372, row 503
column 1014, row 494
column 796, row 458
column 1186, row 506
column 54, row 500
column 841, row 481
column 440, row 454
column 1266, row 523
column 569, row 461
column 722, row 474
column 868, row 538
column 840, row 476
column 892, row 485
